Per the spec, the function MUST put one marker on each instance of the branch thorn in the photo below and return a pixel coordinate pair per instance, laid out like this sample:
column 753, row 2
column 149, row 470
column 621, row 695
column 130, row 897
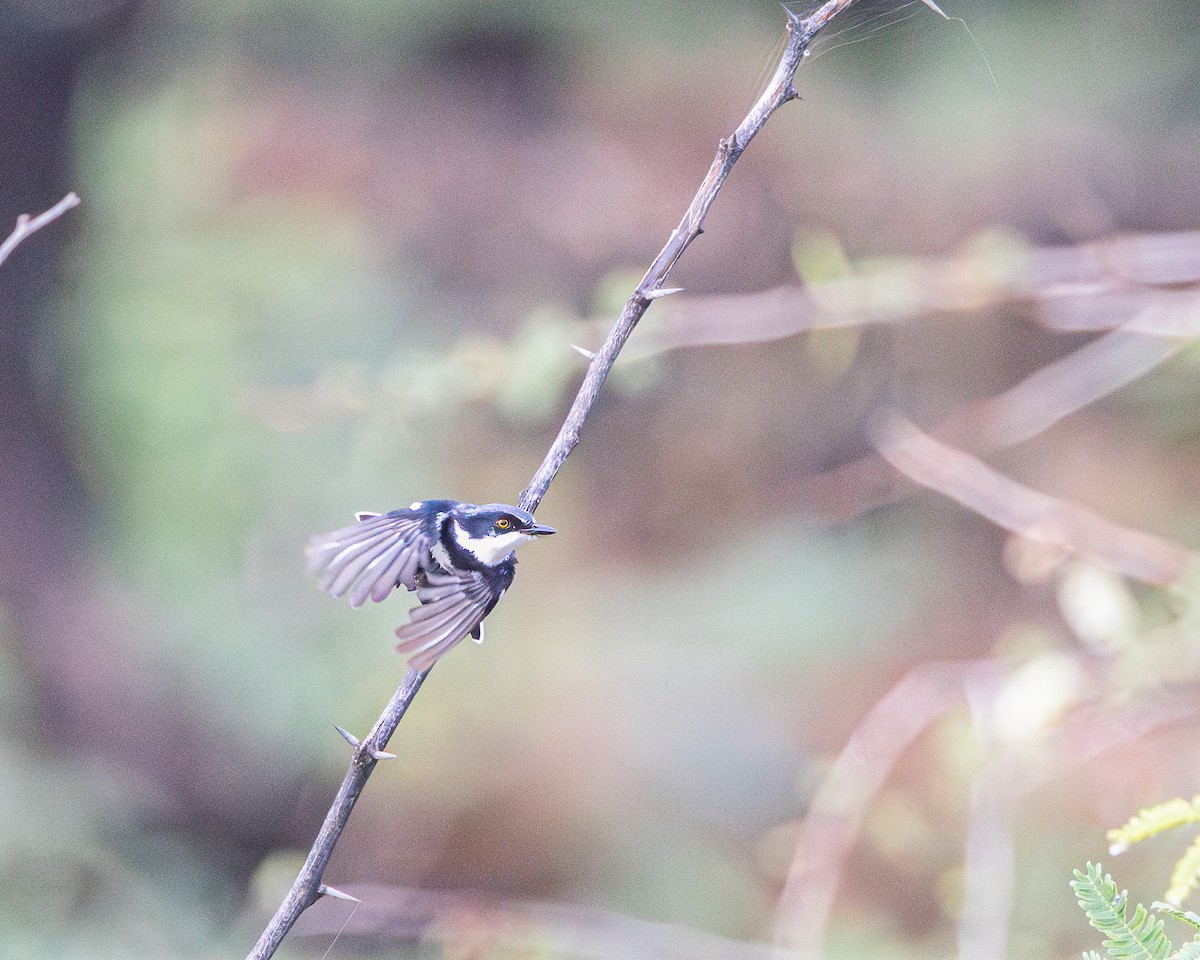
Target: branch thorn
column 382, row 755
column 663, row 292
column 584, row 352
column 347, row 736
column 336, row 894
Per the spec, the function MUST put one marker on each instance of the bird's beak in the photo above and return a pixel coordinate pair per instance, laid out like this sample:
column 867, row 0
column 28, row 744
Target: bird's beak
column 540, row 530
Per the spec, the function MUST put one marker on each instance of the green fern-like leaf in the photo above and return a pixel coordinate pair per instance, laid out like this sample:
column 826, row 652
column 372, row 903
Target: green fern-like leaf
column 1189, row 951
column 1141, row 938
column 1172, row 910
column 1186, row 875
column 1153, row 821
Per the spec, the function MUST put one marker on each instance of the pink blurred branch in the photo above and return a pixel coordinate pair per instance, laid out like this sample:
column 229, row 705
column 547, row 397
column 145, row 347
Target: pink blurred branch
column 1146, row 284
column 1028, row 512
column 832, row 824
column 1059, row 389
column 1025, row 410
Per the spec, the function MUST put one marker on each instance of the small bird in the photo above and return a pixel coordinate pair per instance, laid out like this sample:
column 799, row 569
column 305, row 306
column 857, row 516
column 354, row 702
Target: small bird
column 457, row 556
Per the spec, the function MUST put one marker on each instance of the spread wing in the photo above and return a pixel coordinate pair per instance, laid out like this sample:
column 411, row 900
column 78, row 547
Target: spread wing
column 452, row 606
column 372, row 557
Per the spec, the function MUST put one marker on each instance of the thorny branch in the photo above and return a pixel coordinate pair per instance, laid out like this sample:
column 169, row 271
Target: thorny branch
column 27, row 225
column 308, row 886
column 800, row 33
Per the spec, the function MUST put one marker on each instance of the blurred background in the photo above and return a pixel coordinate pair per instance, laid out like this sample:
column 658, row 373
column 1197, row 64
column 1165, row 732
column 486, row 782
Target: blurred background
column 332, row 257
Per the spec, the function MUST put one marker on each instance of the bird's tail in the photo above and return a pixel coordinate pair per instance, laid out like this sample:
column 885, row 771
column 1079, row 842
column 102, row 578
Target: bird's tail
column 425, row 651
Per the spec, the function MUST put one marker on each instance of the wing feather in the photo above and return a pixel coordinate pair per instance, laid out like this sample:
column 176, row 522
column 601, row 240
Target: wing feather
column 452, row 606
column 332, row 556
column 379, row 553
column 347, row 567
column 433, row 648
column 370, row 558
column 402, row 570
column 374, row 573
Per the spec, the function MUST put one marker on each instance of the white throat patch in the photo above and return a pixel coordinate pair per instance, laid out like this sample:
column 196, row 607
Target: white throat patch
column 488, row 550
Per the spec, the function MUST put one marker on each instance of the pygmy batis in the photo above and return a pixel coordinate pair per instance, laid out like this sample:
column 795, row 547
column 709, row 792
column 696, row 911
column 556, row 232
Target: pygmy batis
column 457, row 556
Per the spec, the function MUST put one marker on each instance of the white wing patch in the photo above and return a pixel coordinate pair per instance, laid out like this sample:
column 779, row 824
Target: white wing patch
column 442, row 555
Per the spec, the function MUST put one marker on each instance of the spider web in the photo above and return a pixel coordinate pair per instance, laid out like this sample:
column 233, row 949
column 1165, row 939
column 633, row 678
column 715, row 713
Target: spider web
column 864, row 19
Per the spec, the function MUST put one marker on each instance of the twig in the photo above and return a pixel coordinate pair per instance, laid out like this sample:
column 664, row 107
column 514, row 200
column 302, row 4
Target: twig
column 27, row 225
column 307, row 887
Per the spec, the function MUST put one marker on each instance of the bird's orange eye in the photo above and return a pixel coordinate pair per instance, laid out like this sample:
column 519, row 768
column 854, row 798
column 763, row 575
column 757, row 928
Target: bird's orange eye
column 503, row 523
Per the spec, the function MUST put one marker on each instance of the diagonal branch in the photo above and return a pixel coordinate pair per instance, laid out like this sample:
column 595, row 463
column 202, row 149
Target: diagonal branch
column 1023, row 411
column 308, row 887
column 1030, row 513
column 800, row 33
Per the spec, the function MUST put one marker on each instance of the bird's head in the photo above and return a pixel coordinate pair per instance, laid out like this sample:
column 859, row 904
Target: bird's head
column 492, row 531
